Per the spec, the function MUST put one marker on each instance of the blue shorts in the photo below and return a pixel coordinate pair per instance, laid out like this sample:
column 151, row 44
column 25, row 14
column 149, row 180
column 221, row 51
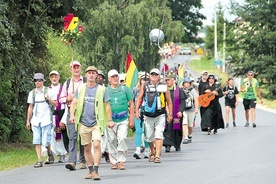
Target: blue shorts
column 42, row 135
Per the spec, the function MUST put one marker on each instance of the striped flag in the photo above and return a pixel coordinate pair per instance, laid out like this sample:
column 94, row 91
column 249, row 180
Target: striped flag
column 132, row 73
column 180, row 74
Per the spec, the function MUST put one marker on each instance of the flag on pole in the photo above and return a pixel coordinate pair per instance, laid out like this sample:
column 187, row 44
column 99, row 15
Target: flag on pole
column 132, row 73
column 180, row 74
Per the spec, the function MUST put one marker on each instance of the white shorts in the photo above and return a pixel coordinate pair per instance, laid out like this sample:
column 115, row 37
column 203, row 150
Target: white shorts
column 154, row 127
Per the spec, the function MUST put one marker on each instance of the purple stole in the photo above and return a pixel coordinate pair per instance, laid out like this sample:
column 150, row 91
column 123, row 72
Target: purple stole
column 176, row 102
column 57, row 120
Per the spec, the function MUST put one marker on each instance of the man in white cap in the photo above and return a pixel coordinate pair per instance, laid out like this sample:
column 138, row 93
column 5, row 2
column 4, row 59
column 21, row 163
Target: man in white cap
column 122, row 107
column 155, row 96
column 59, row 134
column 66, row 97
column 39, row 117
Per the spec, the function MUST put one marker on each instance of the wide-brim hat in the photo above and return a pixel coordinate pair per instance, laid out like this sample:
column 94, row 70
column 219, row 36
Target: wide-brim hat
column 38, row 76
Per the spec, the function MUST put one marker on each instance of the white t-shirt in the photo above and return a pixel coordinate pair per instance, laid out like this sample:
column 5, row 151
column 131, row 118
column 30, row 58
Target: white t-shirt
column 41, row 111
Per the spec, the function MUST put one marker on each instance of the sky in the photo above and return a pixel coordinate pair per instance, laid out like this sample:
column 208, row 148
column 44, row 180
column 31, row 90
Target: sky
column 209, row 9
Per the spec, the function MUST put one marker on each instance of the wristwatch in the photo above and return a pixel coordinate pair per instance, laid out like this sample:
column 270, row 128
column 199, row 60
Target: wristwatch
column 170, row 114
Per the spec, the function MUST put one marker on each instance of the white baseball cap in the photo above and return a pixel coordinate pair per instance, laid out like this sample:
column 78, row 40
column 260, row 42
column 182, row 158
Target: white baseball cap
column 53, row 72
column 74, row 63
column 155, row 70
column 112, row 73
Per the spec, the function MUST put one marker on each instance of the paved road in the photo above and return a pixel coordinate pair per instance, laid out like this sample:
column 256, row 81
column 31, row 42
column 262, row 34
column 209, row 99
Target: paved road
column 235, row 155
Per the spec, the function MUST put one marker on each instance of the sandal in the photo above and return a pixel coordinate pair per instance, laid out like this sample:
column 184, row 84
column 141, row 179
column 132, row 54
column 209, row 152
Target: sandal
column 157, row 160
column 151, row 158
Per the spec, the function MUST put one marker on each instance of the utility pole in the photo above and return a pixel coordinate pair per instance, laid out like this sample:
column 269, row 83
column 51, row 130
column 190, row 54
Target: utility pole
column 215, row 36
column 224, row 45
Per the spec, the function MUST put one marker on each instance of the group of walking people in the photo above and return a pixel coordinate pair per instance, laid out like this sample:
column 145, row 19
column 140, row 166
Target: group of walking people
column 84, row 115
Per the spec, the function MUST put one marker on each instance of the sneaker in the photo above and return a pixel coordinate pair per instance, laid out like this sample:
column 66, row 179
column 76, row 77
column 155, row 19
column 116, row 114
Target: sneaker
column 82, row 166
column 50, row 159
column 38, row 164
column 146, row 154
column 136, row 156
column 168, row 149
column 234, row 124
column 142, row 149
column 121, row 166
column 215, row 131
column 105, row 155
column 227, row 125
column 246, row 124
column 61, row 159
column 190, row 139
column 114, row 166
column 70, row 166
column 254, row 125
column 186, row 141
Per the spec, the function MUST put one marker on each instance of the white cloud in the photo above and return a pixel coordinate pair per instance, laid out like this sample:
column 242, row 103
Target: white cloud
column 209, row 9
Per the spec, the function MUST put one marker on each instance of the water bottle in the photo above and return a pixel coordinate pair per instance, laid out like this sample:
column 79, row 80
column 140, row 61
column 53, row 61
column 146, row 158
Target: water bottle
column 158, row 103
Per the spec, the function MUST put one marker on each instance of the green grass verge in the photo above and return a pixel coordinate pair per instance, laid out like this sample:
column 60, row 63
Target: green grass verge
column 16, row 156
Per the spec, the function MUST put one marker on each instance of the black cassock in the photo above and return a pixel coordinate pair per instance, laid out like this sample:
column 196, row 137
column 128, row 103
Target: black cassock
column 174, row 137
column 212, row 115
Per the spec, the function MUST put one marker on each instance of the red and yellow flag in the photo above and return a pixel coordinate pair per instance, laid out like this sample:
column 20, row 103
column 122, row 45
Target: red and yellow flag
column 132, row 73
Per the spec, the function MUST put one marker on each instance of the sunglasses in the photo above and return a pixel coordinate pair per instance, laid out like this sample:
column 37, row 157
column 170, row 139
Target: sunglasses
column 155, row 74
column 38, row 80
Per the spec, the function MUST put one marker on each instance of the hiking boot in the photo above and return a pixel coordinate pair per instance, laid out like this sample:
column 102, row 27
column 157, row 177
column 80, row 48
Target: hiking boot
column 234, row 124
column 121, row 166
column 254, row 125
column 38, row 164
column 246, row 124
column 114, row 166
column 71, row 166
column 136, row 156
column 227, row 125
column 186, row 141
column 93, row 175
column 82, row 166
column 190, row 139
column 50, row 159
column 106, row 157
column 61, row 159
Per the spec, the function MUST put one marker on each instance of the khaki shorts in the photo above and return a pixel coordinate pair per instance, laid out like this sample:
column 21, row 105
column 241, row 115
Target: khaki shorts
column 89, row 134
column 188, row 117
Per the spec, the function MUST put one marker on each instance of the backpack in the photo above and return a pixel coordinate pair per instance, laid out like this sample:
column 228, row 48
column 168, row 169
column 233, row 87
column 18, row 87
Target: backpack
column 45, row 92
column 152, row 102
column 189, row 102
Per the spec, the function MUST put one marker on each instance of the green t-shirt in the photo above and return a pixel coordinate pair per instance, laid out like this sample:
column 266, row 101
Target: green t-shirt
column 251, row 87
column 119, row 98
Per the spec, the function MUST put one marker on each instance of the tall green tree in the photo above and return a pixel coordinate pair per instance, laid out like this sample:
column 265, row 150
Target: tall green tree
column 188, row 13
column 115, row 28
column 24, row 29
column 255, row 41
